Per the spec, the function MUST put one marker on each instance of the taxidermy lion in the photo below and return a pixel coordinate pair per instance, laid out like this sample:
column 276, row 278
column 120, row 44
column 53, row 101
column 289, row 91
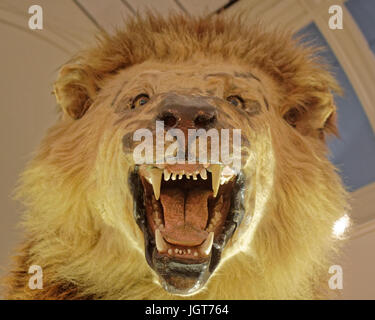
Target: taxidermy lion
column 102, row 226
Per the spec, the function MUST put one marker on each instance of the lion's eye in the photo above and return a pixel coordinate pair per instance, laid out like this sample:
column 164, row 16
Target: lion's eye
column 292, row 116
column 140, row 100
column 237, row 101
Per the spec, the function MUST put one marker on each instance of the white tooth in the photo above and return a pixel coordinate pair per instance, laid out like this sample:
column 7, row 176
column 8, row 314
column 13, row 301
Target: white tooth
column 174, row 176
column 167, row 174
column 188, row 251
column 206, row 246
column 204, row 174
column 181, row 175
column 161, row 245
column 187, row 176
column 227, row 171
column 170, row 251
column 195, row 254
column 216, row 173
column 225, row 179
column 176, row 250
column 156, row 181
column 194, row 176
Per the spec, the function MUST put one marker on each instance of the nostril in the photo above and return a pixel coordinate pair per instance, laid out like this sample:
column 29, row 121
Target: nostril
column 170, row 120
column 205, row 121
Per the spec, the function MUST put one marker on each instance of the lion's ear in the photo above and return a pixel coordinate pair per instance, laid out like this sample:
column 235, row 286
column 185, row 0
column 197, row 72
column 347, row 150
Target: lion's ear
column 315, row 119
column 75, row 89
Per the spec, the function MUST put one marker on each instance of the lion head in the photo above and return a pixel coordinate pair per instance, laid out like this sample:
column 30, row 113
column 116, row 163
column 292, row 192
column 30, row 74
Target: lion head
column 98, row 219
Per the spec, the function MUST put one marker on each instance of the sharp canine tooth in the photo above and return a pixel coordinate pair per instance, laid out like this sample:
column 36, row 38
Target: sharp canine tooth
column 161, row 245
column 156, row 181
column 167, row 175
column 206, row 246
column 216, row 173
column 204, row 174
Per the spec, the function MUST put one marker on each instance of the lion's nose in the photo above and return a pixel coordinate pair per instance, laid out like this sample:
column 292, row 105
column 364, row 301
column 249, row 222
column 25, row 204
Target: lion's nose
column 187, row 112
column 170, row 118
column 199, row 118
column 205, row 118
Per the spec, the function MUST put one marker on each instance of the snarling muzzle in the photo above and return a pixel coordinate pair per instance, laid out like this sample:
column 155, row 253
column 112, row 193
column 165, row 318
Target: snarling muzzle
column 187, row 211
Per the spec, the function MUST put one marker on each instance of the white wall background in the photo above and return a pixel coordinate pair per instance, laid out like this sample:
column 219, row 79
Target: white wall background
column 29, row 61
column 358, row 264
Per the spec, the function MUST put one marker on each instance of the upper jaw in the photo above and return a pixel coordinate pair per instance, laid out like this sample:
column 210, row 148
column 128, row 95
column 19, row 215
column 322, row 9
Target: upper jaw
column 155, row 174
column 189, row 251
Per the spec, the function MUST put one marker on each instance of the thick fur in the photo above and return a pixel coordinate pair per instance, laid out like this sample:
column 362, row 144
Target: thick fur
column 79, row 223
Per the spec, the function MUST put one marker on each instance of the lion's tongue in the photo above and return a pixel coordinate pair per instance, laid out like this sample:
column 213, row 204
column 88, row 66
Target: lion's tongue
column 185, row 216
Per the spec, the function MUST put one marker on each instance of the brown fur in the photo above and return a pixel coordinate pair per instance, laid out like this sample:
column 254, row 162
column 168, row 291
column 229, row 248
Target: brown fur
column 79, row 222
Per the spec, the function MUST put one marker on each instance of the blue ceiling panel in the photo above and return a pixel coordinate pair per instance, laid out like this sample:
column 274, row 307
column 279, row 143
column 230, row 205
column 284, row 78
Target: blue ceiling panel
column 363, row 12
column 354, row 152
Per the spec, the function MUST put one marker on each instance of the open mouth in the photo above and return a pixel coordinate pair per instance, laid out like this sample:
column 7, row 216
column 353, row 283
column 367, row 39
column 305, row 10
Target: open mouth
column 187, row 214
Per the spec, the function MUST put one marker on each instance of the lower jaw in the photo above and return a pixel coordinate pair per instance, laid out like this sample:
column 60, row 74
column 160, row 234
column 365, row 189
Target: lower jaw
column 179, row 276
